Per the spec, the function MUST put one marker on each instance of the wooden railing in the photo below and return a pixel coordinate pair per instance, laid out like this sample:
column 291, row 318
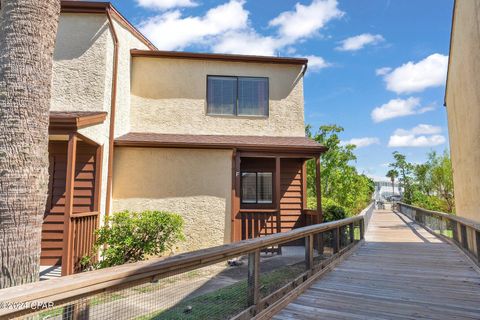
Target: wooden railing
column 462, row 232
column 259, row 222
column 75, row 294
column 83, row 226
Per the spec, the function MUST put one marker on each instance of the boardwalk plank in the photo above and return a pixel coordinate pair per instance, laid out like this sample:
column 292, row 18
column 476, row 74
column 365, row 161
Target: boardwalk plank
column 401, row 272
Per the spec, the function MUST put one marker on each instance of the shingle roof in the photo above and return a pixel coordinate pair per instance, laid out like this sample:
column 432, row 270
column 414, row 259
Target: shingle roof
column 147, row 139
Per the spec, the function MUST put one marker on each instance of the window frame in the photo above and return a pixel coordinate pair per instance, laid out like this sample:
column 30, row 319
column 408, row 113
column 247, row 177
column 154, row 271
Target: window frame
column 256, row 172
column 235, row 114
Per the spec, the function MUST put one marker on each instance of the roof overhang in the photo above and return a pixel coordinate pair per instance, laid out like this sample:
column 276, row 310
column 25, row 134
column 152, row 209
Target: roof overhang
column 301, row 145
column 219, row 57
column 68, row 122
column 104, row 7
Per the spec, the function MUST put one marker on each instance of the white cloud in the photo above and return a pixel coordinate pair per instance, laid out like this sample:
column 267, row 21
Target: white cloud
column 416, row 77
column 423, row 135
column 382, row 71
column 316, row 63
column 171, row 31
column 245, row 42
column 361, row 142
column 227, row 29
column 306, row 20
column 166, row 4
column 395, row 108
column 359, row 42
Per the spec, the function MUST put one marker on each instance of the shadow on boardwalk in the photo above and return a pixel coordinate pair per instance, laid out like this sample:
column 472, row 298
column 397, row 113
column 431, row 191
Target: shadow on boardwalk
column 401, row 272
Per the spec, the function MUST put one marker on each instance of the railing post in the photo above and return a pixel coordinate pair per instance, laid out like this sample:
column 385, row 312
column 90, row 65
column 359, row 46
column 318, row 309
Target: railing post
column 477, row 236
column 336, row 240
column 351, row 229
column 309, row 252
column 253, row 294
column 463, row 233
column 362, row 229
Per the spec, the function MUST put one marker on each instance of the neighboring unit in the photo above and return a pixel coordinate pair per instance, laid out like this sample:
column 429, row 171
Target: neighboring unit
column 217, row 138
column 462, row 100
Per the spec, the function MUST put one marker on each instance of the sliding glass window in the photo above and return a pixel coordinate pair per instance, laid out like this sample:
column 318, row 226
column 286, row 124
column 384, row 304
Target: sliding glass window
column 243, row 96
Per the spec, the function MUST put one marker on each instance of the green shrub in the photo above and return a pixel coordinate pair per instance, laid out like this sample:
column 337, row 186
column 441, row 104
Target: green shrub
column 132, row 236
column 331, row 210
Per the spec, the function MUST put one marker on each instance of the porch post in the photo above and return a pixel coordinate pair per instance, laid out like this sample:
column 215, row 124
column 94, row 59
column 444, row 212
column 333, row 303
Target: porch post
column 319, row 188
column 277, row 192
column 67, row 258
column 236, row 222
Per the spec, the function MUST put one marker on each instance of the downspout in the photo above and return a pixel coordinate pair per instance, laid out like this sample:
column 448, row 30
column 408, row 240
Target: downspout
column 113, row 99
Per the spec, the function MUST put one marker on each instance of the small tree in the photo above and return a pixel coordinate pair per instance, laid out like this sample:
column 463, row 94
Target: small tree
column 392, row 174
column 133, row 236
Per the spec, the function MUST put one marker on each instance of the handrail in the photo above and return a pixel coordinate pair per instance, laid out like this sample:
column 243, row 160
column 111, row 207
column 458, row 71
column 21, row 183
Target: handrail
column 459, row 231
column 68, row 288
column 464, row 221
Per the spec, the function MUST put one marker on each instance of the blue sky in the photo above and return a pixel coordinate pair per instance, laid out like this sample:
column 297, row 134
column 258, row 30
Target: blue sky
column 377, row 67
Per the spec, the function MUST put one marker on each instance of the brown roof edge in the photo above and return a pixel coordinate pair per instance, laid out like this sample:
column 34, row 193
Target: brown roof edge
column 257, row 143
column 102, row 7
column 218, row 56
column 72, row 121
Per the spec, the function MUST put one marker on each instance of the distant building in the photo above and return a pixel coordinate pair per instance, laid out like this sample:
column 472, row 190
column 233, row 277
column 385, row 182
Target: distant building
column 462, row 100
column 383, row 189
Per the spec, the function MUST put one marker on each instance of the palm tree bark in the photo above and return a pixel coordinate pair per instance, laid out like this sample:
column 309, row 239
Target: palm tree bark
column 27, row 38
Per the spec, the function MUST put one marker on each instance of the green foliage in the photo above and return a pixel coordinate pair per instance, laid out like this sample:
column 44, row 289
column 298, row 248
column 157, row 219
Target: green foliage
column 333, row 211
column 428, row 185
column 340, row 183
column 133, row 236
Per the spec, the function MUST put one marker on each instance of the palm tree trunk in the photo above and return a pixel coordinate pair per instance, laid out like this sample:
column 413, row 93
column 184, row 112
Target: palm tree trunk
column 27, row 38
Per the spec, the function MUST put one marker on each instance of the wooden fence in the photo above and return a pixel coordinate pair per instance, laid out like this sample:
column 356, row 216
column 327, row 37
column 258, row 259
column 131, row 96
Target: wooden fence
column 74, row 294
column 461, row 232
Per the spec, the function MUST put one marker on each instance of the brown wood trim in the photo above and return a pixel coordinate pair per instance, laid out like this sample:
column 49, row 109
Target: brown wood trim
column 98, row 178
column 256, row 151
column 258, row 210
column 103, row 7
column 64, row 123
column 84, row 214
column 318, row 185
column 113, row 98
column 218, row 57
column 304, row 185
column 238, row 222
column 233, row 210
column 67, row 258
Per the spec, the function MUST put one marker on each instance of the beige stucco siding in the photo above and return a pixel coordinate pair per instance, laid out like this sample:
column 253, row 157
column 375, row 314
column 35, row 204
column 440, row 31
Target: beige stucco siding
column 194, row 183
column 169, row 96
column 122, row 111
column 463, row 108
column 80, row 63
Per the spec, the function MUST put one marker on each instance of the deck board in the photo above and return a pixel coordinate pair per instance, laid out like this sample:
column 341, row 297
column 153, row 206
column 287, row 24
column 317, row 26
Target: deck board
column 401, row 272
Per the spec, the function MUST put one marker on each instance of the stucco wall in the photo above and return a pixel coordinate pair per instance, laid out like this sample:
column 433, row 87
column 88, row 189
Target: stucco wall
column 80, row 63
column 463, row 108
column 169, row 96
column 194, row 183
column 122, row 111
column 82, row 75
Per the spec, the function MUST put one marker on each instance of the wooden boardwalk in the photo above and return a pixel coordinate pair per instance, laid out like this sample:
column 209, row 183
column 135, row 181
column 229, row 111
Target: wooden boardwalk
column 401, row 272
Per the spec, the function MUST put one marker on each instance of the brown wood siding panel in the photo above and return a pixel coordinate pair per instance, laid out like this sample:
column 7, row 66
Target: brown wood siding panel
column 83, row 200
column 291, row 194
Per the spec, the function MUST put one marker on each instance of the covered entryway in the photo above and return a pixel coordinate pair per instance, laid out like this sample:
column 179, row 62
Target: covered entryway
column 72, row 212
column 271, row 194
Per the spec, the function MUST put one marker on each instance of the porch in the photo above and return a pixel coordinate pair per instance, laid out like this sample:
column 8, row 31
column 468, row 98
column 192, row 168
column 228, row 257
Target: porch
column 72, row 212
column 281, row 194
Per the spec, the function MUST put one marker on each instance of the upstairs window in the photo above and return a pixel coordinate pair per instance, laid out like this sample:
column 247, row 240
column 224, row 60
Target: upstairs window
column 257, row 187
column 237, row 96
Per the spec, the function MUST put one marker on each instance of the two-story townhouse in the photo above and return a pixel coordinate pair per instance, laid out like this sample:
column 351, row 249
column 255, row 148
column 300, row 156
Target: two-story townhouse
column 217, row 138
